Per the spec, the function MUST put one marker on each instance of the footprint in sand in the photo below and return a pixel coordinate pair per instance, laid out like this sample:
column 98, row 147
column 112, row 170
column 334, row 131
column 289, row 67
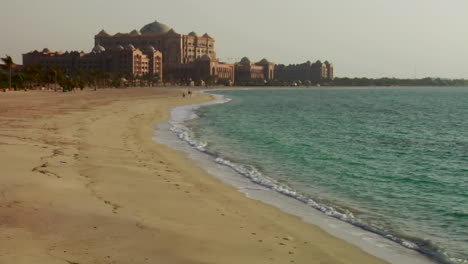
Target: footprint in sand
column 58, row 152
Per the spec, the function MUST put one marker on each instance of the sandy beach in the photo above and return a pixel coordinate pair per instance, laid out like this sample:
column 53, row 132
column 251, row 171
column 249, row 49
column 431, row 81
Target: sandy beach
column 82, row 181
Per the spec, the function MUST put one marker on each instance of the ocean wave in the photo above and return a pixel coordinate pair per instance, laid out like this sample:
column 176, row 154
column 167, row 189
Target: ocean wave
column 184, row 133
column 186, row 113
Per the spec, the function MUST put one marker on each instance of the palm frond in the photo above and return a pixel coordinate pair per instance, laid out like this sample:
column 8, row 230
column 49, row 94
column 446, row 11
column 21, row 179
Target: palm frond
column 7, row 62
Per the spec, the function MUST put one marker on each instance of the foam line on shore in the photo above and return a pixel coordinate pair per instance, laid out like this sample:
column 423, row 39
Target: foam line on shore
column 257, row 186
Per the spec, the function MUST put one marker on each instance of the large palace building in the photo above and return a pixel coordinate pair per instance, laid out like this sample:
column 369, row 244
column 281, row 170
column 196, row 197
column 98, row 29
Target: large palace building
column 177, row 48
column 185, row 57
column 157, row 49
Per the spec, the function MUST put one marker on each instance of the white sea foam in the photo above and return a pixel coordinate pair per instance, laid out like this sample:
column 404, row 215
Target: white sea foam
column 182, row 114
column 177, row 126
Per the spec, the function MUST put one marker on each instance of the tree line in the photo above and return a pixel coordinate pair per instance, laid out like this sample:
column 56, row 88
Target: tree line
column 396, row 82
column 380, row 82
column 38, row 77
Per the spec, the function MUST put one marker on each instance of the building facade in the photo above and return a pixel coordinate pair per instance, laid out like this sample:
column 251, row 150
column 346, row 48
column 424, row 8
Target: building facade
column 129, row 60
column 313, row 72
column 247, row 71
column 330, row 70
column 205, row 69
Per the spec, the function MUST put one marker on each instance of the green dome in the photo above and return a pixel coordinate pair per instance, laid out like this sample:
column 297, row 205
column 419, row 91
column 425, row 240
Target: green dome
column 134, row 32
column 264, row 61
column 98, row 49
column 205, row 58
column 245, row 60
column 155, row 27
column 103, row 33
column 150, row 48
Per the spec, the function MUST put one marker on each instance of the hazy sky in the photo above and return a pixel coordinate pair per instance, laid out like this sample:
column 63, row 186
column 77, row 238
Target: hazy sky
column 372, row 38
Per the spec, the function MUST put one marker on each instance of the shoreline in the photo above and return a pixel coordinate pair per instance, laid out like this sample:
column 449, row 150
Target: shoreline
column 173, row 134
column 84, row 182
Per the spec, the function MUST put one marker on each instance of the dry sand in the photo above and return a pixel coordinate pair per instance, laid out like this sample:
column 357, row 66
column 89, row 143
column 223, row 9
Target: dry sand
column 82, row 181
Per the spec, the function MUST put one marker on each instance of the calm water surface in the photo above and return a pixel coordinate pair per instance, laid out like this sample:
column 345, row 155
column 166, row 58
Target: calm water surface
column 392, row 160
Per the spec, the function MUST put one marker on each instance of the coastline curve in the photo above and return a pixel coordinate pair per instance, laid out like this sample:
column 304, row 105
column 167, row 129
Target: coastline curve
column 248, row 180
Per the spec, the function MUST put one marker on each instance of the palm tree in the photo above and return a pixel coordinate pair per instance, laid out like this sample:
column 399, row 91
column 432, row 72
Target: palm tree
column 105, row 79
column 155, row 78
column 51, row 76
column 34, row 73
column 94, row 77
column 130, row 78
column 8, row 65
column 82, row 77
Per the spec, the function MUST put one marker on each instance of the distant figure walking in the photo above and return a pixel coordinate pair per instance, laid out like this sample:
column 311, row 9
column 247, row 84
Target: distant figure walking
column 183, row 94
column 190, row 93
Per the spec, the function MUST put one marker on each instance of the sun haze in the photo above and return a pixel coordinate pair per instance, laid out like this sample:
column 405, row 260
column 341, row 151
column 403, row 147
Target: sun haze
column 371, row 38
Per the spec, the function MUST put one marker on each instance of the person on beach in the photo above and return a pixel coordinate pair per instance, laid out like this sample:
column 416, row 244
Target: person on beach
column 183, row 94
column 190, row 93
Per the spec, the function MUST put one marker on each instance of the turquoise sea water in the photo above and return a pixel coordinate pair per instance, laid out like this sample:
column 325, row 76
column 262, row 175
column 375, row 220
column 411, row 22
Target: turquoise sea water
column 390, row 160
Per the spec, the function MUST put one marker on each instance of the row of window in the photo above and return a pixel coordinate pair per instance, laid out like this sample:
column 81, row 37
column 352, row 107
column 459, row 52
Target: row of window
column 199, row 44
column 194, row 57
column 224, row 70
column 199, row 51
column 56, row 63
column 154, row 43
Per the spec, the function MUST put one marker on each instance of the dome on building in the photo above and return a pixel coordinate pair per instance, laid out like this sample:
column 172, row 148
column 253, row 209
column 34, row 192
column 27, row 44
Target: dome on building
column 264, row 61
column 206, row 35
column 45, row 50
column 205, row 58
column 103, row 33
column 135, row 32
column 150, row 49
column 172, row 31
column 245, row 60
column 155, row 27
column 130, row 47
column 119, row 47
column 98, row 49
column 193, row 34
